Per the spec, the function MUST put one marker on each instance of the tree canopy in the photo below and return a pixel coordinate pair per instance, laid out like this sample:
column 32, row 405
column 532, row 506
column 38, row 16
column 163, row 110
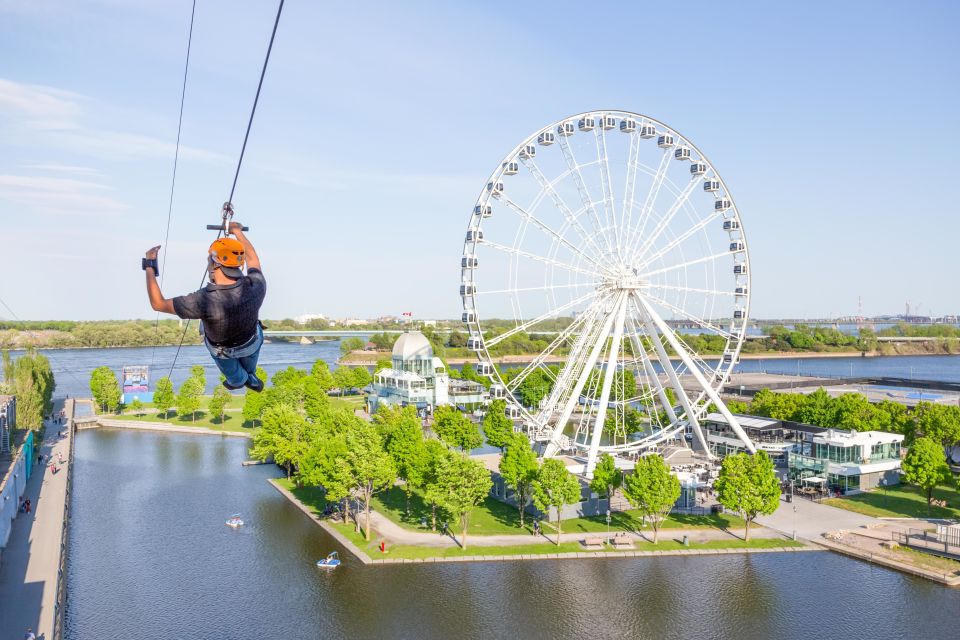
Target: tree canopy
column 555, row 487
column 925, row 465
column 748, row 485
column 652, row 490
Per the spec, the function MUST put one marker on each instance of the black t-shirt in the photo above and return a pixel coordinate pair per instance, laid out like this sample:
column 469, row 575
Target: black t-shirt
column 229, row 311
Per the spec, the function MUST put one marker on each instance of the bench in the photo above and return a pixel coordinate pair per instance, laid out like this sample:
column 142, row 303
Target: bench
column 622, row 541
column 592, row 543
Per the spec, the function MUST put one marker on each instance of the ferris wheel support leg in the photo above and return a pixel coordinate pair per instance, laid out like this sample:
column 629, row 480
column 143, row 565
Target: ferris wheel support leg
column 674, row 380
column 609, row 375
column 652, row 376
column 707, row 387
column 554, row 445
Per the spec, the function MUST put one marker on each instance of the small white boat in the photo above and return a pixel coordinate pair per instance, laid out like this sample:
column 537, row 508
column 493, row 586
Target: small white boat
column 332, row 561
column 235, row 521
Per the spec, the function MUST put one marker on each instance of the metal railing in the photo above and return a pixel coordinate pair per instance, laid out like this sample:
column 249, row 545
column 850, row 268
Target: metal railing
column 928, row 541
column 59, row 607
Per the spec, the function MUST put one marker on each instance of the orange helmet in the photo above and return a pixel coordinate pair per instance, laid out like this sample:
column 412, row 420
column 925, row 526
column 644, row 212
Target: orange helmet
column 227, row 252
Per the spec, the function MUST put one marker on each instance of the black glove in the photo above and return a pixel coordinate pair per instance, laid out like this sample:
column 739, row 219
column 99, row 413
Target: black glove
column 151, row 263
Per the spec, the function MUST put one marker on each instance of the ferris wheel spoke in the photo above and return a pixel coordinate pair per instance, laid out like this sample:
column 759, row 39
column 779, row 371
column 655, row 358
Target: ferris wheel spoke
column 714, row 292
column 541, row 288
column 600, row 133
column 683, row 265
column 692, row 318
column 681, row 200
column 546, row 316
column 646, row 211
column 542, row 357
column 630, row 185
column 582, row 190
column 547, row 187
column 653, row 380
column 680, row 239
column 550, row 231
column 535, row 256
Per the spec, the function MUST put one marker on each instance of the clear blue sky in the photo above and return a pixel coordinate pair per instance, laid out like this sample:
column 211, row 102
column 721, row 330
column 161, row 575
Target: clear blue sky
column 834, row 124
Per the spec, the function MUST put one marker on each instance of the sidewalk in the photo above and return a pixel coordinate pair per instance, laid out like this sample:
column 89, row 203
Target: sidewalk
column 811, row 520
column 31, row 560
column 396, row 534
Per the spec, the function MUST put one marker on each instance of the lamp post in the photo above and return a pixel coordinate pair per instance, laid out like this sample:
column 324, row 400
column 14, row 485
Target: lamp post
column 608, row 524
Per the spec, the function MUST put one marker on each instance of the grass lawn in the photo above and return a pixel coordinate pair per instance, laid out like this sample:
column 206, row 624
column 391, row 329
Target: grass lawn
column 489, row 518
column 928, row 561
column 902, row 501
column 633, row 521
column 233, row 420
column 475, row 547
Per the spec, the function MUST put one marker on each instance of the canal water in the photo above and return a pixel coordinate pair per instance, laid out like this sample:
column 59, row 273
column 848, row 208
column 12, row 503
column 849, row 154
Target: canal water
column 151, row 557
column 72, row 367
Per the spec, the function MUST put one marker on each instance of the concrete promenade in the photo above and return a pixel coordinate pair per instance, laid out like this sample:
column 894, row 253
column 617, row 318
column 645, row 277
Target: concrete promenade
column 811, row 520
column 31, row 560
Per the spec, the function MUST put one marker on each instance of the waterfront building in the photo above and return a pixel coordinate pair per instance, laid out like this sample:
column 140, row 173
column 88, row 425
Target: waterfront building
column 416, row 377
column 848, row 461
column 775, row 437
column 833, row 459
column 8, row 421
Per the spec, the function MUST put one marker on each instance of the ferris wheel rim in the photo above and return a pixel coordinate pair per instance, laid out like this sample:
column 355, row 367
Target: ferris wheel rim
column 734, row 339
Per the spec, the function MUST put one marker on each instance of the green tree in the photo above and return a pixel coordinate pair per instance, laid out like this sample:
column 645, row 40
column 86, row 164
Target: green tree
column 606, row 477
column 188, row 398
column 136, row 406
column 382, row 363
column 163, row 397
column 197, row 371
column 351, row 344
column 465, row 484
column 316, row 403
column 370, row 465
column 816, row 409
column 925, row 465
column 283, row 437
column 403, row 437
column 343, row 379
column 426, row 476
column 497, row 427
column 555, row 487
column 518, row 468
column 938, row 422
column 360, row 377
column 653, row 490
column 748, row 485
column 456, row 429
column 853, row 411
column 253, row 404
column 321, row 372
column 218, row 403
column 105, row 389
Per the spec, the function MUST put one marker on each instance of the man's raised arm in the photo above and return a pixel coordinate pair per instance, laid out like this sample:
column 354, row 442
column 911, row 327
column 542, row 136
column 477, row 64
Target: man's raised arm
column 157, row 301
column 249, row 253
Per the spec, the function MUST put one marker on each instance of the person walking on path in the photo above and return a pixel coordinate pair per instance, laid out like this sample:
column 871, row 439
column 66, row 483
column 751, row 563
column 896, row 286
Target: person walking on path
column 228, row 307
column 29, row 635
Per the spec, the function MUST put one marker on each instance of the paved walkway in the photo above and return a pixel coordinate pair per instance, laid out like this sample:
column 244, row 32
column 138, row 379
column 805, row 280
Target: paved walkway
column 31, row 559
column 396, row 534
column 811, row 520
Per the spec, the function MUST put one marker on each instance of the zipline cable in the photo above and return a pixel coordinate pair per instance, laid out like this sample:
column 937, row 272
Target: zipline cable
column 173, row 180
column 243, row 149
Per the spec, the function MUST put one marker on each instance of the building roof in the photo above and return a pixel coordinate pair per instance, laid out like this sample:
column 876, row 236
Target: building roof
column 412, row 345
column 840, row 438
column 752, row 422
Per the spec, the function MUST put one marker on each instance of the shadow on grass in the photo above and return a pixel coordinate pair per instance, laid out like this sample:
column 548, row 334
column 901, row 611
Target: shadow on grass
column 909, row 502
column 505, row 518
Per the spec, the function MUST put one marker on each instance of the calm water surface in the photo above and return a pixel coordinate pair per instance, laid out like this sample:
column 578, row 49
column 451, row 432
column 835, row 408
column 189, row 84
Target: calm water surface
column 150, row 557
column 72, row 367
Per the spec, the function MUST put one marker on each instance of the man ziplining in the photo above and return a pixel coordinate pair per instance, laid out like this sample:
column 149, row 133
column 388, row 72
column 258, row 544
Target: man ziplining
column 228, row 307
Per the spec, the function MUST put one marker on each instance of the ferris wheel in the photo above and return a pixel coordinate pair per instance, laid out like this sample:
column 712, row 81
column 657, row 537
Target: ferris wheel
column 610, row 247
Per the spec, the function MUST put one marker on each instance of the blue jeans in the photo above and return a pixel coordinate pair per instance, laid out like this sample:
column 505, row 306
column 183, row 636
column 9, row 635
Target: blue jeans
column 238, row 364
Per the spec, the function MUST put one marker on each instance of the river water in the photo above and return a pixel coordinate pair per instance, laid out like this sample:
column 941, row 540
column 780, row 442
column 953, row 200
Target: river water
column 72, row 367
column 150, row 557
